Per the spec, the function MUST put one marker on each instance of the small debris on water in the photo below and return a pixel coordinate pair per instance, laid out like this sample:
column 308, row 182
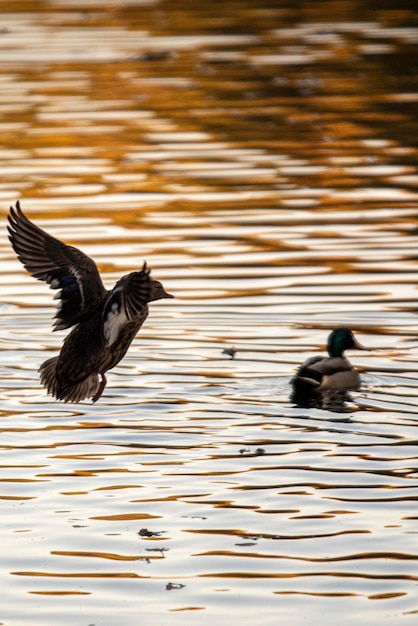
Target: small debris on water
column 144, row 532
column 230, row 351
column 171, row 586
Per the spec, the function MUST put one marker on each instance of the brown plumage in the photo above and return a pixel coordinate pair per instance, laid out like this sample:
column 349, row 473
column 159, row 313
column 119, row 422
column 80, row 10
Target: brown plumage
column 334, row 371
column 105, row 322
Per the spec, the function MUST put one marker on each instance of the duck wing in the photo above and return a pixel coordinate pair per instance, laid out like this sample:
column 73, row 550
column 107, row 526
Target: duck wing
column 336, row 373
column 62, row 267
column 318, row 369
column 310, row 372
column 127, row 302
column 328, row 366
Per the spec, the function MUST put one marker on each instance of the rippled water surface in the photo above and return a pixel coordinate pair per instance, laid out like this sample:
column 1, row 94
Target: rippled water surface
column 261, row 156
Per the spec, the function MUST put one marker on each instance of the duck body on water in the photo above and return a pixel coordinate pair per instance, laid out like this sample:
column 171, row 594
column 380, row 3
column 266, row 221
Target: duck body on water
column 332, row 372
column 104, row 321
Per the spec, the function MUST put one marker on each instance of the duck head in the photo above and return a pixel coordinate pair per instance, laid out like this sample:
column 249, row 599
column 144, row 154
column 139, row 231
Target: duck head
column 158, row 292
column 342, row 339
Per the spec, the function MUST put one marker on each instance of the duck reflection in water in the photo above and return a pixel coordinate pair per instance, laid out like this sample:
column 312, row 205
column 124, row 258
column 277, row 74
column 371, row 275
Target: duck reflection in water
column 324, row 382
column 105, row 322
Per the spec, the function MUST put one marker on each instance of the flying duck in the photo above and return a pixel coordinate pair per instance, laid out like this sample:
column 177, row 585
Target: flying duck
column 104, row 322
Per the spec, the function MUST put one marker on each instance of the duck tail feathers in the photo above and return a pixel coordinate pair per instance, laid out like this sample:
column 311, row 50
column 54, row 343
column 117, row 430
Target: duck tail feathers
column 60, row 389
column 307, row 380
column 307, row 376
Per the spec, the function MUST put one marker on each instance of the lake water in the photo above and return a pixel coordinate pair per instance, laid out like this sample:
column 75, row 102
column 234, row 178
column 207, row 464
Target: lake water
column 261, row 156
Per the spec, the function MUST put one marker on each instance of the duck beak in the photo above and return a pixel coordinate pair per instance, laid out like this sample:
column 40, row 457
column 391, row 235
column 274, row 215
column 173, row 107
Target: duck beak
column 358, row 346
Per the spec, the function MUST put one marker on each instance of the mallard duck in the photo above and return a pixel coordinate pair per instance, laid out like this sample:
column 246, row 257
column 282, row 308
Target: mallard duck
column 333, row 372
column 105, row 322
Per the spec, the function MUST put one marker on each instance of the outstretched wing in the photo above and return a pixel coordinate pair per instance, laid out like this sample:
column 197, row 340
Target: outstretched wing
column 126, row 302
column 62, row 267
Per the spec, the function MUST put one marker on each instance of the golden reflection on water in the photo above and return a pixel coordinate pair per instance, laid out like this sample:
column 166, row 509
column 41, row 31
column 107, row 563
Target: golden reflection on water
column 261, row 158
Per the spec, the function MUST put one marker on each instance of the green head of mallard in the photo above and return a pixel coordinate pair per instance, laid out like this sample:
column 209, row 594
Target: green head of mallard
column 342, row 339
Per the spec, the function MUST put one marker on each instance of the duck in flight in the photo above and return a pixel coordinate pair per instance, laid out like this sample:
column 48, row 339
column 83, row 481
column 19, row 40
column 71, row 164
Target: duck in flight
column 104, row 322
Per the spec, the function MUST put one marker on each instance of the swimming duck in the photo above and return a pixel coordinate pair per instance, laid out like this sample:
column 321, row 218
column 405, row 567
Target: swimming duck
column 104, row 322
column 335, row 372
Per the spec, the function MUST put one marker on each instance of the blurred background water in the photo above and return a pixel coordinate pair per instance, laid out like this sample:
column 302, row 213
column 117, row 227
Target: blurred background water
column 261, row 156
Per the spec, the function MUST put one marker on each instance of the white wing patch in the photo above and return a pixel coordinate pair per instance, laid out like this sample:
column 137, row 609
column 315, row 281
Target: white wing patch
column 115, row 320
